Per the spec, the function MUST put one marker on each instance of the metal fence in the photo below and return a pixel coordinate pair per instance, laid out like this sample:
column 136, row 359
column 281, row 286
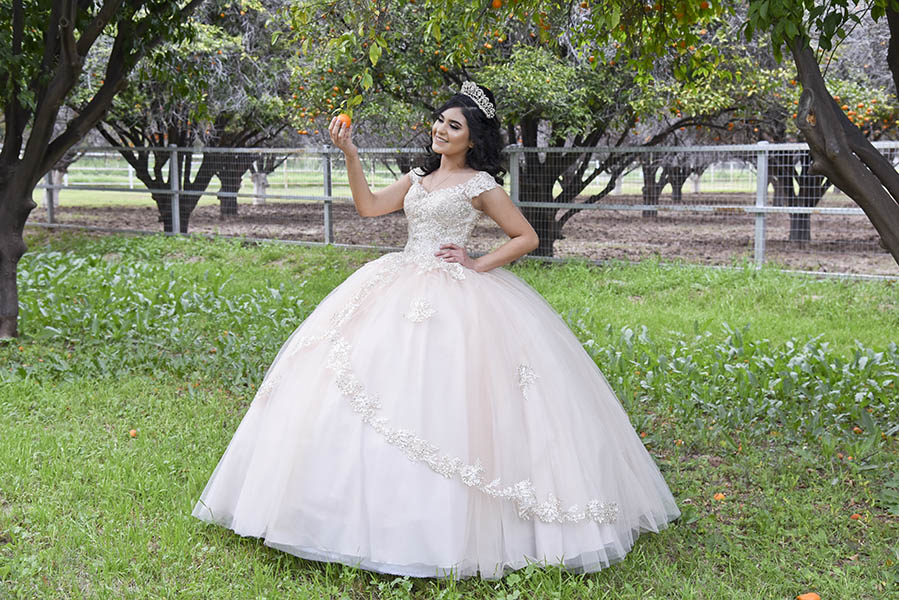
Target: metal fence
column 717, row 205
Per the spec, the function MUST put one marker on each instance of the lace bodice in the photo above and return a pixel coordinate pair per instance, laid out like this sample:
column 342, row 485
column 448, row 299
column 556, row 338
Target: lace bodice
column 442, row 216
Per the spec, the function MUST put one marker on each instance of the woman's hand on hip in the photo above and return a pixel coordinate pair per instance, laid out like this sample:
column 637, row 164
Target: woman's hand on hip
column 456, row 254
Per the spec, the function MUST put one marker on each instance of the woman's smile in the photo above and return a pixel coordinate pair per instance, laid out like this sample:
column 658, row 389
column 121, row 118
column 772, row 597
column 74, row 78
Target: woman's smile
column 450, row 132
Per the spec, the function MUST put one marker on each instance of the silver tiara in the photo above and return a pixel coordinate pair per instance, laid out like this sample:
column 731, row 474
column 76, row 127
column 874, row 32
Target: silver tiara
column 473, row 91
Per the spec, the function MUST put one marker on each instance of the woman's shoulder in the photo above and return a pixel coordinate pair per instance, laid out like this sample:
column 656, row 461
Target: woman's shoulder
column 480, row 182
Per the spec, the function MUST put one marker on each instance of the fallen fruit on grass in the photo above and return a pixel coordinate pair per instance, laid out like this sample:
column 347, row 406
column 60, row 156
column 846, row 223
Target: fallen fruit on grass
column 856, row 429
column 133, row 433
column 855, row 516
column 808, row 596
column 345, row 119
column 719, row 496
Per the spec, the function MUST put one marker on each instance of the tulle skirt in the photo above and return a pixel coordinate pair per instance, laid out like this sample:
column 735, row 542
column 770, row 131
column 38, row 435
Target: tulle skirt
column 428, row 420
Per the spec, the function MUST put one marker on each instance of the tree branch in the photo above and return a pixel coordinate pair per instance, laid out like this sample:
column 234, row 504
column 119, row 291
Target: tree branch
column 51, row 39
column 893, row 51
column 15, row 115
column 843, row 155
column 99, row 23
column 122, row 59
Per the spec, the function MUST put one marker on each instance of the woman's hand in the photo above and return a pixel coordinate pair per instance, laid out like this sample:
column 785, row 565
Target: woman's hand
column 341, row 136
column 456, row 254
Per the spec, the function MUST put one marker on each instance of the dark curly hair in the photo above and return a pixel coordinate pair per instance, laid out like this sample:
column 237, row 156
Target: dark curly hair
column 486, row 154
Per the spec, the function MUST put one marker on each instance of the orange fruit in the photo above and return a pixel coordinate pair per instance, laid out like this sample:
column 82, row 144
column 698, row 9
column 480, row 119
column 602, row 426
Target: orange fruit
column 345, row 119
column 133, row 433
column 808, row 596
column 497, row 4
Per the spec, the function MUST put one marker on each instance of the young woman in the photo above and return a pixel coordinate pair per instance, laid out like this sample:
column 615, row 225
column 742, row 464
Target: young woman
column 434, row 416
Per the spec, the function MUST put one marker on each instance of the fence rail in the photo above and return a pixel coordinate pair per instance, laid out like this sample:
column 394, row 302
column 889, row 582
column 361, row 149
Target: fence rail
column 711, row 204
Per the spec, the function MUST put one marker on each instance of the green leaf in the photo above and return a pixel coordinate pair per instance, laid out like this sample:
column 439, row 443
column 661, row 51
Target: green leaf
column 615, row 16
column 374, row 53
column 868, row 422
column 792, row 30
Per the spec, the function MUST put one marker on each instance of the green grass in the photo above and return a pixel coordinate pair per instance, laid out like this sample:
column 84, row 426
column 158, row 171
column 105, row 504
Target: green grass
column 745, row 383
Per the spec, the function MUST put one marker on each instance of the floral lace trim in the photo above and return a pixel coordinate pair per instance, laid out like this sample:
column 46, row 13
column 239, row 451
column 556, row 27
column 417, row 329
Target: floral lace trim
column 391, row 265
column 420, row 310
column 417, row 449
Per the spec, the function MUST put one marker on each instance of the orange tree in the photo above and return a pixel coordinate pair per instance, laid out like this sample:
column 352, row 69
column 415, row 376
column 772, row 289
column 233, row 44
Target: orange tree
column 839, row 148
column 644, row 35
column 228, row 88
column 857, row 77
column 394, row 61
column 43, row 48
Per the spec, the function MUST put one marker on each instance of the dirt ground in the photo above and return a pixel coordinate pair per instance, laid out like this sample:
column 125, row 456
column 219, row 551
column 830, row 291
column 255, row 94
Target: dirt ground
column 847, row 244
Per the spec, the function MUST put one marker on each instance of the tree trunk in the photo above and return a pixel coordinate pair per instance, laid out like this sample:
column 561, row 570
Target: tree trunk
column 186, row 204
column 677, row 176
column 652, row 189
column 800, row 227
column 15, row 206
column 543, row 220
column 536, row 182
column 811, row 190
column 227, row 201
column 260, row 188
column 842, row 154
column 230, row 173
column 677, row 191
column 781, row 173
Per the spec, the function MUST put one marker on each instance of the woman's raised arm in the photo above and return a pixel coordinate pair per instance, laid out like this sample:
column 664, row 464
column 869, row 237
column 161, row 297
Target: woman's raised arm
column 368, row 203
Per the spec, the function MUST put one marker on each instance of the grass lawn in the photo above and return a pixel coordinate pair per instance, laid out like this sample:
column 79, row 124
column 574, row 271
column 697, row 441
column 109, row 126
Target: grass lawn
column 775, row 392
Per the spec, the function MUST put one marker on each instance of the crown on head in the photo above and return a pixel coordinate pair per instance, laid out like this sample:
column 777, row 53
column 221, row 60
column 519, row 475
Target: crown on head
column 473, row 91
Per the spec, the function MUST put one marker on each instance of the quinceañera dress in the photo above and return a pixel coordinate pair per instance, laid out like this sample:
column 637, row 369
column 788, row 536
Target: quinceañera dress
column 429, row 420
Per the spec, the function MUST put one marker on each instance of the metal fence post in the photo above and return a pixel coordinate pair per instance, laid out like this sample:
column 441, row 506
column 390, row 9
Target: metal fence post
column 761, row 197
column 513, row 174
column 326, row 177
column 174, row 185
column 51, row 196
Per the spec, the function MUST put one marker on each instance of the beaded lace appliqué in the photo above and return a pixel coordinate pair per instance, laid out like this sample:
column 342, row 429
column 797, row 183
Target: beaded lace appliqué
column 417, row 449
column 526, row 376
column 419, row 310
column 435, row 218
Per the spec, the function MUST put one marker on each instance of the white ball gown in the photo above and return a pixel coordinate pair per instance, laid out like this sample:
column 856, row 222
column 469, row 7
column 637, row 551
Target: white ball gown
column 428, row 420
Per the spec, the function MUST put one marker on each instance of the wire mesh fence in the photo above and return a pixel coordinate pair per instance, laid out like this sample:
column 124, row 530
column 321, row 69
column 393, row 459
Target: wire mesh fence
column 718, row 205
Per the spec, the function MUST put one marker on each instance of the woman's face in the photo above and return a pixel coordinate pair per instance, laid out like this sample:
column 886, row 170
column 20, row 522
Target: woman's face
column 449, row 133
